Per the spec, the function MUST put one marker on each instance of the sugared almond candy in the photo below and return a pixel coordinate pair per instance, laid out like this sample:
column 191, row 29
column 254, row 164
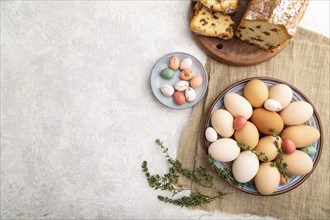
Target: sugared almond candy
column 174, row 63
column 167, row 90
column 181, row 85
column 186, row 74
column 196, row 82
column 190, row 94
column 179, row 98
column 185, row 63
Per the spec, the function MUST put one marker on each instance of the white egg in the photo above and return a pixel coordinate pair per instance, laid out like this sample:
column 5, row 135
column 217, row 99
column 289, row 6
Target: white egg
column 210, row 134
column 272, row 105
column 245, row 167
column 181, row 85
column 185, row 63
column 224, row 150
column 223, row 122
column 167, row 90
column 190, row 94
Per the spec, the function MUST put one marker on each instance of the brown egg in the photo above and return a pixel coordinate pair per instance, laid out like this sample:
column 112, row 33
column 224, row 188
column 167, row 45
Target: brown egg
column 196, row 82
column 265, row 121
column 267, row 178
column 297, row 113
column 301, row 135
column 256, row 92
column 299, row 163
column 249, row 135
column 266, row 145
column 186, row 74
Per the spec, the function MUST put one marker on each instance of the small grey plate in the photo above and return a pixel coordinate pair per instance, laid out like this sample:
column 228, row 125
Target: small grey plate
column 156, row 81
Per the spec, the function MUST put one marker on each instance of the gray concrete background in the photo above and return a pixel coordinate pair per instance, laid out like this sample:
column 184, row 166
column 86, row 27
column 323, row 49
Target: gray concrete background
column 77, row 114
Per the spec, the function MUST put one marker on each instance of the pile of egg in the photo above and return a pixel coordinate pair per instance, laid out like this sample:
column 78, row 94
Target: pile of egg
column 185, row 88
column 249, row 120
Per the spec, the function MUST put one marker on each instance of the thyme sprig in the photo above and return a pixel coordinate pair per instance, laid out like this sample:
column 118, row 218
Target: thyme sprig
column 227, row 174
column 169, row 182
column 199, row 175
column 165, row 182
column 281, row 165
column 260, row 155
column 195, row 199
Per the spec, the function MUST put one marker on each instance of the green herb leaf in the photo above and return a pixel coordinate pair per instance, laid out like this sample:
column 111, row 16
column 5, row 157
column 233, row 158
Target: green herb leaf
column 281, row 166
column 195, row 199
column 169, row 181
column 259, row 155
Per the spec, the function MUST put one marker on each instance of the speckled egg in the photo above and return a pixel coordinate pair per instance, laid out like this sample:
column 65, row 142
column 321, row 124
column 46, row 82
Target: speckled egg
column 272, row 105
column 174, row 63
column 181, row 85
column 185, row 63
column 196, row 82
column 167, row 90
column 310, row 150
column 167, row 73
column 190, row 94
column 186, row 74
column 179, row 98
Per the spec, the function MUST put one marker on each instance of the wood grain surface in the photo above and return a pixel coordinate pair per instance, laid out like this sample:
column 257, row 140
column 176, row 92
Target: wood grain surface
column 234, row 51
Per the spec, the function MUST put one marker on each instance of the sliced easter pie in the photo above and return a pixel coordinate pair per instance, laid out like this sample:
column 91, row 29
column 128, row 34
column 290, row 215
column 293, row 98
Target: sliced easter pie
column 209, row 23
column 224, row 6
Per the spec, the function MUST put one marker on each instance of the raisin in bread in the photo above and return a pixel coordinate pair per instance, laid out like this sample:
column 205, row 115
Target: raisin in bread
column 224, row 6
column 268, row 24
column 210, row 23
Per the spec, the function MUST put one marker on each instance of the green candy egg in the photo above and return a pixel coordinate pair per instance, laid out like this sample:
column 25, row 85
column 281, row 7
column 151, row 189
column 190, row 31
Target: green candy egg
column 310, row 150
column 167, row 73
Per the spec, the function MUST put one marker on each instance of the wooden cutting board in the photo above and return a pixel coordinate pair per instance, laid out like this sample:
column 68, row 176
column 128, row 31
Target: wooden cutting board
column 234, row 51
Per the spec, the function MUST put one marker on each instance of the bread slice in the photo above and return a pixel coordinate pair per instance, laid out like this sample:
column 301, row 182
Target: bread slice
column 224, row 6
column 209, row 23
column 269, row 24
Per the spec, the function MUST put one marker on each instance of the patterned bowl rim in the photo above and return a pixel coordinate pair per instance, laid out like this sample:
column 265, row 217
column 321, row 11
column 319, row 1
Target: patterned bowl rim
column 318, row 120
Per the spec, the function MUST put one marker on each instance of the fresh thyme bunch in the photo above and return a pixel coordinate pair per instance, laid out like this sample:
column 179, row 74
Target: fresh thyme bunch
column 169, row 182
column 281, row 166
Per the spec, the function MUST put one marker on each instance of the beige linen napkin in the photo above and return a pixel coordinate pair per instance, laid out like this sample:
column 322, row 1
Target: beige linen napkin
column 304, row 63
